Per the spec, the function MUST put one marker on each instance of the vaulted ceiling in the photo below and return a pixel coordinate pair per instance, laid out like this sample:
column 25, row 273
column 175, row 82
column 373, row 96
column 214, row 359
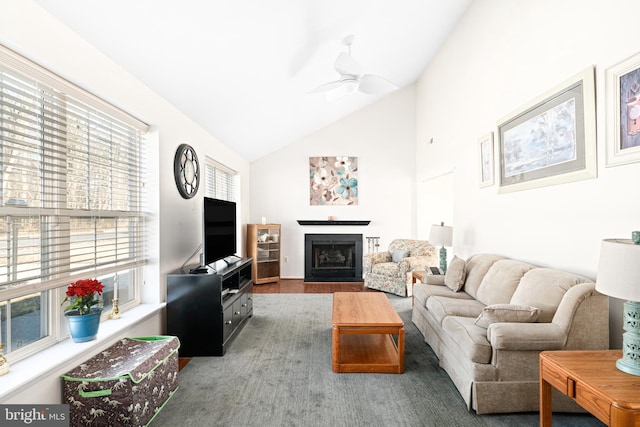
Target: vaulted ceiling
column 243, row 69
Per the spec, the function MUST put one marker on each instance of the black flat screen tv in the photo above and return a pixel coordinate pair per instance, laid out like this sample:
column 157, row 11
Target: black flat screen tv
column 219, row 227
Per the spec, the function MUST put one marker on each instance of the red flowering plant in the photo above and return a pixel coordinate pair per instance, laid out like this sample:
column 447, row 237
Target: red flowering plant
column 84, row 294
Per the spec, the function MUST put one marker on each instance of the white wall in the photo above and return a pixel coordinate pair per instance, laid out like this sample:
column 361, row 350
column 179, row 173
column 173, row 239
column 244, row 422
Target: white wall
column 502, row 55
column 176, row 222
column 382, row 137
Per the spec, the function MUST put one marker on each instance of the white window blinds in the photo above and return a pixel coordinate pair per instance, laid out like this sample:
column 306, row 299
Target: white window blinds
column 71, row 181
column 219, row 181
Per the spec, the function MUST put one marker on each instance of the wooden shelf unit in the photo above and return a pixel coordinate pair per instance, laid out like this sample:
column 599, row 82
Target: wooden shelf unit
column 263, row 245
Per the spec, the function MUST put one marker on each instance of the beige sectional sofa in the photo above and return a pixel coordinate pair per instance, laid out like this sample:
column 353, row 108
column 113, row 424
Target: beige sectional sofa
column 488, row 325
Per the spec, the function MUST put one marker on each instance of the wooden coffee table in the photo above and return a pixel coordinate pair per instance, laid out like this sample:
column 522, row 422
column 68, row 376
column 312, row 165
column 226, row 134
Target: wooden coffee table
column 364, row 325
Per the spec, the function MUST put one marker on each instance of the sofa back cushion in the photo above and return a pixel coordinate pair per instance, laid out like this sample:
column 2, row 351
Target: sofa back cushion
column 501, row 281
column 544, row 288
column 475, row 269
column 414, row 247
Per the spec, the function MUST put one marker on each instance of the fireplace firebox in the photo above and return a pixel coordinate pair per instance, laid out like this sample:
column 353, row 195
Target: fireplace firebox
column 332, row 257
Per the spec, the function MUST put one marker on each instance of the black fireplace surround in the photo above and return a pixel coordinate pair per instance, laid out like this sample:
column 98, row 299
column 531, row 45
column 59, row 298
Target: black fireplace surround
column 333, row 257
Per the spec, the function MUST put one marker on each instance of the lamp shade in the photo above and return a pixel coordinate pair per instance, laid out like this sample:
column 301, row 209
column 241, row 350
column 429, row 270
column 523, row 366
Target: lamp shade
column 441, row 235
column 619, row 269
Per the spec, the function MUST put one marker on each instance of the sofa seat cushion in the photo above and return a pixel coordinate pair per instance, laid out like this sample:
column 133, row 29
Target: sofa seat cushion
column 422, row 292
column 544, row 288
column 385, row 269
column 441, row 307
column 470, row 338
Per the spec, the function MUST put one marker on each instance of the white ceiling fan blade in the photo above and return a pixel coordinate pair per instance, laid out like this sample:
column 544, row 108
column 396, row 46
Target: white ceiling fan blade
column 327, row 86
column 335, row 94
column 348, row 87
column 372, row 85
column 345, row 64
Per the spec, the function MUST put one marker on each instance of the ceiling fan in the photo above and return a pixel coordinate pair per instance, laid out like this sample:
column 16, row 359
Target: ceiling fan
column 352, row 79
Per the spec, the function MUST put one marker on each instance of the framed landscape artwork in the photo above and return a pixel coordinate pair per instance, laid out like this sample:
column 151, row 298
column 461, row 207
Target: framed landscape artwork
column 551, row 140
column 623, row 112
column 485, row 148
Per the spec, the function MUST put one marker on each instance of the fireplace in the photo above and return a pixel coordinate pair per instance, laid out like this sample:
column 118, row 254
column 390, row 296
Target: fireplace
column 332, row 257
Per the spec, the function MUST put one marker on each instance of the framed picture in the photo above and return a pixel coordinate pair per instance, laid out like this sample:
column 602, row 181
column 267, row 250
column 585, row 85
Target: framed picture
column 333, row 181
column 623, row 112
column 551, row 140
column 485, row 148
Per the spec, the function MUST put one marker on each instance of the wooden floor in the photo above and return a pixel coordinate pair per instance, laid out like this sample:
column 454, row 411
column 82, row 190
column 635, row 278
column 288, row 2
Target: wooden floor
column 299, row 286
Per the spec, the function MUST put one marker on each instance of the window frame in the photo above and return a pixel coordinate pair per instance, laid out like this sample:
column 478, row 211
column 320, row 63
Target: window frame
column 52, row 291
column 212, row 189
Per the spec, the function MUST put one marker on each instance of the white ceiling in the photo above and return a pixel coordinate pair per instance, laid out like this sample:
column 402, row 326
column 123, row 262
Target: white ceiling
column 242, row 69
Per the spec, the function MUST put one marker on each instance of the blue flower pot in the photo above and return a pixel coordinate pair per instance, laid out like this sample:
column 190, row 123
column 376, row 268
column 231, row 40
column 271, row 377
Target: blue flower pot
column 83, row 327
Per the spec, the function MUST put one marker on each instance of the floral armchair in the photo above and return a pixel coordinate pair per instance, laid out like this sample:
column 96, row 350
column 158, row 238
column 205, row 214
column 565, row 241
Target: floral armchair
column 387, row 271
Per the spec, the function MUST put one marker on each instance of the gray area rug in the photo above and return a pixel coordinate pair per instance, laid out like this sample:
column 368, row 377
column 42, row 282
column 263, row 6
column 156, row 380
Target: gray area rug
column 278, row 373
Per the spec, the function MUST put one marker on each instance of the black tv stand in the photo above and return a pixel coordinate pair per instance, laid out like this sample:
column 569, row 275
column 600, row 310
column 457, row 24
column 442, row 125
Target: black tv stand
column 237, row 259
column 202, row 269
column 207, row 311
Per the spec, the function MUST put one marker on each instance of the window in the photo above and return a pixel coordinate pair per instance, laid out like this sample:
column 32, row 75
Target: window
column 220, row 181
column 71, row 200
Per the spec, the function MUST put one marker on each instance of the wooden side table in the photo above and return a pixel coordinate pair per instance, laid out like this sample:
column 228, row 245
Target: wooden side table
column 418, row 275
column 415, row 276
column 593, row 381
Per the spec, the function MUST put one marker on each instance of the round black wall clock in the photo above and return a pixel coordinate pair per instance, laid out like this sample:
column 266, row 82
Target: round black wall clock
column 186, row 170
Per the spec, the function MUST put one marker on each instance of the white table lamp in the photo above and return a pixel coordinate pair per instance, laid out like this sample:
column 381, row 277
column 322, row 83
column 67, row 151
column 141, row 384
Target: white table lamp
column 441, row 235
column 619, row 277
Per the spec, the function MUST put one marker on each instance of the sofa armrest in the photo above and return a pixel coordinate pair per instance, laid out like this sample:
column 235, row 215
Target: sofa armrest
column 584, row 314
column 374, row 258
column 434, row 279
column 526, row 336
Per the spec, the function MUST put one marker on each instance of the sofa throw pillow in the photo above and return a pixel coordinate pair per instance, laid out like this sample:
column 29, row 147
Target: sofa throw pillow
column 398, row 255
column 498, row 313
column 454, row 277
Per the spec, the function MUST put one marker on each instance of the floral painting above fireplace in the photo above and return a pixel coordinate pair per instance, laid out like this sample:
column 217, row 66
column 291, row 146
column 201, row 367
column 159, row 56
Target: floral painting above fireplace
column 333, row 180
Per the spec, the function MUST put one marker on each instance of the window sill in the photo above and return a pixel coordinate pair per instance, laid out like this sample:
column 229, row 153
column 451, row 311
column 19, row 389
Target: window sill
column 49, row 361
